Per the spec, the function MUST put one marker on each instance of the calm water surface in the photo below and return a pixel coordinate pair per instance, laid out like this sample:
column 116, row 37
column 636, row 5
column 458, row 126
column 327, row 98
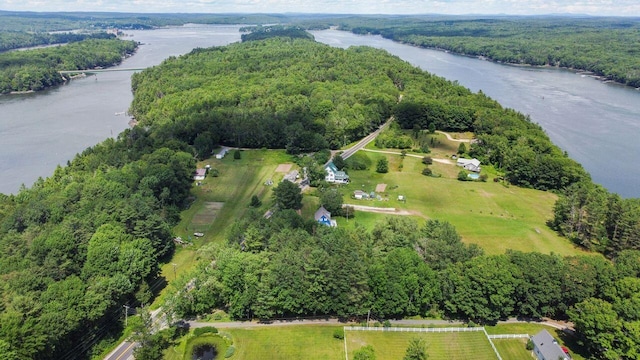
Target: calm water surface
column 39, row 131
column 597, row 124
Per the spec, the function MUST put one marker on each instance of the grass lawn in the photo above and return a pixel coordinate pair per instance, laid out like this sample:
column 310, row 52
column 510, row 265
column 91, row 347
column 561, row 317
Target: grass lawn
column 532, row 329
column 440, row 346
column 512, row 349
column 287, row 342
column 490, row 214
column 231, row 191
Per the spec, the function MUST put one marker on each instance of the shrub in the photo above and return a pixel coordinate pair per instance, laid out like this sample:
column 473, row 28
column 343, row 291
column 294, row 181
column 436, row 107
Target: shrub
column 382, row 166
column 255, row 201
column 338, row 334
column 530, row 345
column 230, row 351
column 427, row 160
column 483, row 177
column 427, row 172
column 386, row 324
column 205, row 330
column 237, row 155
column 463, row 176
column 322, row 156
column 425, row 148
column 214, row 172
column 462, row 149
column 365, row 353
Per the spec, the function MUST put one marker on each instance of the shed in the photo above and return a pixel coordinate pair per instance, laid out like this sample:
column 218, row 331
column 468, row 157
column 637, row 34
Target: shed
column 200, row 174
column 359, row 194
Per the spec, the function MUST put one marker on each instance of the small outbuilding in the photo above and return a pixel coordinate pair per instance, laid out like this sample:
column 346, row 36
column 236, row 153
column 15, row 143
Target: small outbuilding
column 200, row 174
column 222, row 153
column 359, row 194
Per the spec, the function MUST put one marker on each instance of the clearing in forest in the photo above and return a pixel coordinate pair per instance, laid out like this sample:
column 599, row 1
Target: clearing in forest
column 205, row 216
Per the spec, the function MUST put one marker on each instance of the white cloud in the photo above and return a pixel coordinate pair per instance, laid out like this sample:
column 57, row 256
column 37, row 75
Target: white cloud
column 520, row 7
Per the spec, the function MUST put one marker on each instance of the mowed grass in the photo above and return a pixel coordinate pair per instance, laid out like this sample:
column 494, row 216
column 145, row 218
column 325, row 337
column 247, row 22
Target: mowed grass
column 512, row 349
column 577, row 352
column 439, row 346
column 287, row 343
column 237, row 182
column 490, row 214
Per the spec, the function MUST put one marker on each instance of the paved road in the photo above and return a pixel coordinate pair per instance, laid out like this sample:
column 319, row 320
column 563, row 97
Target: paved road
column 124, row 351
column 366, row 140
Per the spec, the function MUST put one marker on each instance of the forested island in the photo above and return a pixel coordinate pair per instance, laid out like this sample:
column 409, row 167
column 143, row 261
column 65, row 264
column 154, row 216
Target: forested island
column 79, row 244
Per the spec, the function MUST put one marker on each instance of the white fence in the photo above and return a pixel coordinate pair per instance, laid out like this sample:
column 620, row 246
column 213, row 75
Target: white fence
column 509, row 336
column 404, row 329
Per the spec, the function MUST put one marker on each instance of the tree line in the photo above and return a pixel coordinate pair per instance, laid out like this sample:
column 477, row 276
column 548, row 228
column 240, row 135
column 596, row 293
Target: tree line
column 604, row 46
column 33, row 70
column 295, row 268
column 16, row 39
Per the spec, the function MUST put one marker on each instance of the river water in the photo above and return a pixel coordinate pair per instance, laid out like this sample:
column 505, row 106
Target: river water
column 597, row 124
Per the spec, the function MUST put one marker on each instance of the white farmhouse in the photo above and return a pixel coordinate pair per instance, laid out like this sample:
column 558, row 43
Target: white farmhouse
column 334, row 175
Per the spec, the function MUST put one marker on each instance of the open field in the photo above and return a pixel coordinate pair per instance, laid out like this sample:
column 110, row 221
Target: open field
column 317, row 342
column 222, row 199
column 495, row 216
column 440, row 346
column 513, row 349
column 287, row 342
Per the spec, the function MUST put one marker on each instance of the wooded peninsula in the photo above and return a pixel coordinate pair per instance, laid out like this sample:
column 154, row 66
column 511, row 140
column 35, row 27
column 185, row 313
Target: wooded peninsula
column 76, row 246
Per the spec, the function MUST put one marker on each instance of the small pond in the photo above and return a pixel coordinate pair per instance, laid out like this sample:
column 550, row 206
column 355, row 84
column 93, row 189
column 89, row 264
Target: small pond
column 205, row 352
column 474, row 176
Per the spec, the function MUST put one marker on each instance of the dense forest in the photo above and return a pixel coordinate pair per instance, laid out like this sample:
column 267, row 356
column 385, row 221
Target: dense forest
column 605, row 46
column 37, row 69
column 83, row 242
column 15, row 40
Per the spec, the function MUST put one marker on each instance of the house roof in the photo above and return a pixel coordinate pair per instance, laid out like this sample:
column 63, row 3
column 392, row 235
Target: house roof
column 548, row 346
column 331, row 166
column 359, row 192
column 341, row 175
column 462, row 161
column 201, row 172
column 320, row 212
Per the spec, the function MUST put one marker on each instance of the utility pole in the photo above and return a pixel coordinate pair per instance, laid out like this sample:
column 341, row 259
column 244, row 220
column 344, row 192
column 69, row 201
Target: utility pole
column 174, row 270
column 368, row 317
column 126, row 314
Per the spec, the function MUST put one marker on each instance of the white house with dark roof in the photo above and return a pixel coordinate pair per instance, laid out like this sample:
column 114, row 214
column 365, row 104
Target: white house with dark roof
column 333, row 175
column 545, row 347
column 323, row 216
column 469, row 164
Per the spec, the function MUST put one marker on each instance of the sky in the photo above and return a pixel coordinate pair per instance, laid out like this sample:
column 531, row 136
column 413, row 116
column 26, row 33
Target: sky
column 457, row 7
